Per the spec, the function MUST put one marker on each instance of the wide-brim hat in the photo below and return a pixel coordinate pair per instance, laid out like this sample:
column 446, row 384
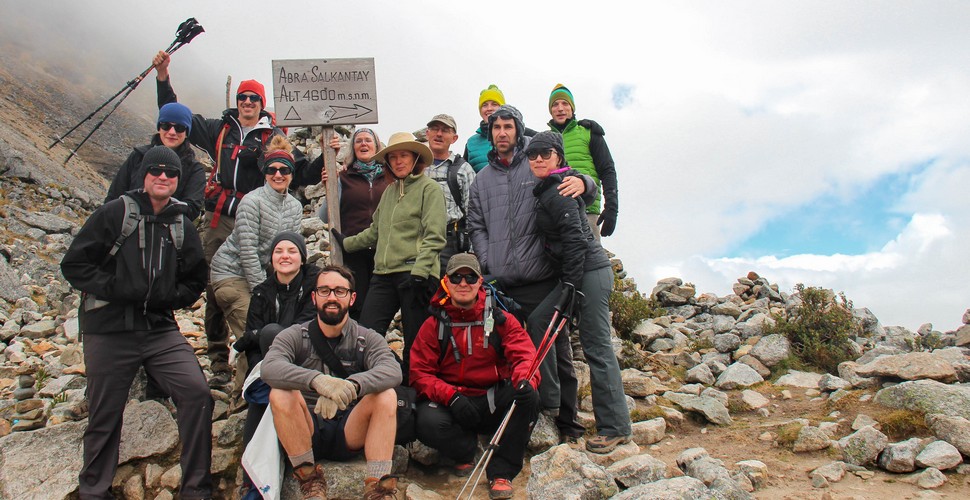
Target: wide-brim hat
column 405, row 141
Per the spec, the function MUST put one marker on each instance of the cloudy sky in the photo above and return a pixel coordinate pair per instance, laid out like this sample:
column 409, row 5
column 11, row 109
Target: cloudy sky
column 823, row 143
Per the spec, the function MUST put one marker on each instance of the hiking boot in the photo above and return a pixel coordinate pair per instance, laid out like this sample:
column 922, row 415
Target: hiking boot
column 499, row 488
column 605, row 444
column 384, row 488
column 219, row 380
column 313, row 484
column 463, row 470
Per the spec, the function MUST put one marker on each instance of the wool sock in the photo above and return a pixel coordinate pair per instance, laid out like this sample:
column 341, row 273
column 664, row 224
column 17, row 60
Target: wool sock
column 379, row 468
column 303, row 458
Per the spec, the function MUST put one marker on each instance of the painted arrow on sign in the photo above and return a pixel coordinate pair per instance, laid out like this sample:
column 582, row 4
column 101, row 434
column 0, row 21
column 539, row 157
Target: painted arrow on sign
column 344, row 111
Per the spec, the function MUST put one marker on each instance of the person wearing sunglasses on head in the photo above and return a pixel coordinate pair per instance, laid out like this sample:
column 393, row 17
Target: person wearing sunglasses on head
column 131, row 283
column 235, row 142
column 240, row 263
column 469, row 362
column 173, row 125
column 584, row 271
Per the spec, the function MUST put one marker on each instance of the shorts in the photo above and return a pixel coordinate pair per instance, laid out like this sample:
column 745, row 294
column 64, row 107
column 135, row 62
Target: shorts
column 329, row 441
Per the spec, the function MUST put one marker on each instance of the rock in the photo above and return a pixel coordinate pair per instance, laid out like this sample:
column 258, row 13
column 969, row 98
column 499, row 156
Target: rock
column 940, row 455
column 621, row 452
column 772, row 349
column 727, row 309
column 29, row 468
column 738, row 375
column 700, row 374
column 930, row 479
column 646, row 332
column 649, row 431
column 639, row 384
column 962, row 336
column 829, row 383
column 172, row 478
column 545, row 435
column 729, row 489
column 726, row 342
column 661, row 345
column 927, row 396
column 716, row 394
column 755, row 470
column 953, row 430
column 134, row 487
column 231, row 433
column 756, row 365
column 10, row 287
column 810, row 439
column 707, row 406
column 415, row 492
column 910, row 366
column 637, row 470
column 900, row 457
column 795, row 378
column 862, row 420
column 863, row 446
column 688, row 456
column 684, row 488
column 562, row 472
column 753, row 400
column 39, row 330
column 847, row 372
column 707, row 470
column 832, row 472
column 149, row 430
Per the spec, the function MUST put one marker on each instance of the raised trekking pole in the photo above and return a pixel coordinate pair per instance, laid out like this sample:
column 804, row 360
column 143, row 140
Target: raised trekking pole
column 560, row 318
column 188, row 30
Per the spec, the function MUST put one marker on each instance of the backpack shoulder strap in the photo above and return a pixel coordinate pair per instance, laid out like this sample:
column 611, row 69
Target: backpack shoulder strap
column 453, row 183
column 325, row 351
column 128, row 224
column 177, row 229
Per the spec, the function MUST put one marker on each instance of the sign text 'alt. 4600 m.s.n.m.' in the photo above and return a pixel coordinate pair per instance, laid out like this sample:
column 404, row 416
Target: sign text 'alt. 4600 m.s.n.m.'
column 324, row 91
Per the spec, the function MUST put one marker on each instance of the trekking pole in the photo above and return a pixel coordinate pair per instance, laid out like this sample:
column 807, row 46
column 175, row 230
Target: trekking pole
column 188, row 30
column 560, row 318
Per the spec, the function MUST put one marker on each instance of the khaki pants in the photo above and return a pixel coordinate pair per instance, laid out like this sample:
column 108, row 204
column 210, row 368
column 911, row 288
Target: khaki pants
column 233, row 295
column 215, row 321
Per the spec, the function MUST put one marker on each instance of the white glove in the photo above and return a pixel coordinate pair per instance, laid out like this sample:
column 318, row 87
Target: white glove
column 341, row 391
column 325, row 407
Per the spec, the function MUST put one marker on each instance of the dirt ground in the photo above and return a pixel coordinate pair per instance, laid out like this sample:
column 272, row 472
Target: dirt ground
column 788, row 471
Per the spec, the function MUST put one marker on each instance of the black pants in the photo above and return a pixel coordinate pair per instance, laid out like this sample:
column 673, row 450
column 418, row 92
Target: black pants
column 112, row 362
column 361, row 264
column 437, row 428
column 387, row 294
column 559, row 388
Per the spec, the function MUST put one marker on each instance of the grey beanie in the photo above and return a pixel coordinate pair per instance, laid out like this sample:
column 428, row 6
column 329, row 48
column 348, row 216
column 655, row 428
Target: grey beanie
column 507, row 111
column 292, row 237
column 544, row 140
column 159, row 156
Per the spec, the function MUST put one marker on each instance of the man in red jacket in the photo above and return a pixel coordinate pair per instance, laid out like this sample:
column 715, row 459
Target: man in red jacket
column 469, row 362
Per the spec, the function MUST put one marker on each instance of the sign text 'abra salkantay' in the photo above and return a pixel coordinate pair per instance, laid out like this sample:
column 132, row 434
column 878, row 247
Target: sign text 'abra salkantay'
column 324, row 92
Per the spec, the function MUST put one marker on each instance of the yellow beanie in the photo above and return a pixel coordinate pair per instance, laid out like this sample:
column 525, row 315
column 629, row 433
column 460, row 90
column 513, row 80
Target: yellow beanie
column 492, row 93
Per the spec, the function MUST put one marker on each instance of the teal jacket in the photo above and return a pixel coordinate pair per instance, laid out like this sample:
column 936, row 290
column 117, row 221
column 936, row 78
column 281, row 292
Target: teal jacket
column 477, row 148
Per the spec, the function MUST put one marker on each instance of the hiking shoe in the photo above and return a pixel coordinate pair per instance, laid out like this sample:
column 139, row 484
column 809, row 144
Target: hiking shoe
column 219, row 380
column 605, row 444
column 313, row 484
column 384, row 488
column 499, row 488
column 463, row 470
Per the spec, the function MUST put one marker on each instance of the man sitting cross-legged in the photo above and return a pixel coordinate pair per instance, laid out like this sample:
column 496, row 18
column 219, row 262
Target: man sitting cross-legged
column 350, row 415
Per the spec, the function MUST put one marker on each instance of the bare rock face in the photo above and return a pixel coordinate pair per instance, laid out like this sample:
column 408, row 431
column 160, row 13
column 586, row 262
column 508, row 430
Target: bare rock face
column 32, row 471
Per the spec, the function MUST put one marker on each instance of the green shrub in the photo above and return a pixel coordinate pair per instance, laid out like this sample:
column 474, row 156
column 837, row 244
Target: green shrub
column 819, row 328
column 630, row 310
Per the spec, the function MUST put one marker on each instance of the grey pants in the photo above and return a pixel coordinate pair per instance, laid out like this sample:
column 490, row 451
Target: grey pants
column 112, row 361
column 609, row 402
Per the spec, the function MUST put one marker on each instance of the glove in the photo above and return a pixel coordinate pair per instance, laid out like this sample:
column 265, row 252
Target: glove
column 525, row 394
column 464, row 411
column 607, row 222
column 249, row 341
column 421, row 289
column 341, row 391
column 325, row 407
column 337, row 238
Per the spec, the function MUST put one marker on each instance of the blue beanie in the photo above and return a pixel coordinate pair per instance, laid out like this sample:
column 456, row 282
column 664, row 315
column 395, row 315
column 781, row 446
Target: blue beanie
column 176, row 113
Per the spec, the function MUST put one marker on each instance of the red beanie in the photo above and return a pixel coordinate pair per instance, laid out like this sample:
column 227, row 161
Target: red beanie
column 253, row 86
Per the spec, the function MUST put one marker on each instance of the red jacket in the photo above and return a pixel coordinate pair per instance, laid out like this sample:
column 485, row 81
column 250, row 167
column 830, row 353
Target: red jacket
column 477, row 372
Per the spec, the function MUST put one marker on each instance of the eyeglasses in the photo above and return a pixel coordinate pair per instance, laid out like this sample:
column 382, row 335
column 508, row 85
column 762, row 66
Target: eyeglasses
column 168, row 126
column 544, row 154
column 281, row 170
column 339, row 292
column 470, row 278
column 251, row 97
column 170, row 172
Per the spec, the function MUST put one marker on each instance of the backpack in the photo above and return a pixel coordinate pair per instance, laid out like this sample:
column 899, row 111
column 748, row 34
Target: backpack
column 491, row 316
column 214, row 190
column 132, row 221
column 463, row 243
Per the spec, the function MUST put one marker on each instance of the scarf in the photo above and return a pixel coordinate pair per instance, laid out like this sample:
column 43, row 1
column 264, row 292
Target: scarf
column 369, row 170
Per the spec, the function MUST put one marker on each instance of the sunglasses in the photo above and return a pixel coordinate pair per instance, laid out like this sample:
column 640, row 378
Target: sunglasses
column 281, row 170
column 339, row 292
column 157, row 171
column 251, row 97
column 544, row 154
column 168, row 126
column 470, row 278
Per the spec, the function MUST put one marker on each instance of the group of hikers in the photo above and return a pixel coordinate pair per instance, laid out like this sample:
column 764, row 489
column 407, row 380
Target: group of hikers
column 479, row 251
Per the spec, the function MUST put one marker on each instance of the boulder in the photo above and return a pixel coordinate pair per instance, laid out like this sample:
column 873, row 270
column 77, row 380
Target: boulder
column 726, row 342
column 900, row 457
column 811, row 439
column 927, row 396
column 562, row 472
column 795, row 378
column 910, row 366
column 755, row 470
column 29, row 468
column 639, row 384
column 637, row 470
column 940, row 455
column 701, row 374
column 863, row 446
column 149, row 430
column 738, row 375
column 649, row 431
column 753, row 400
column 953, row 430
column 710, row 408
column 681, row 488
column 772, row 349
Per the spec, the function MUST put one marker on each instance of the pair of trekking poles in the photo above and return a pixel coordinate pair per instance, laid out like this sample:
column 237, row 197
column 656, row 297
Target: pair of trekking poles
column 565, row 312
column 188, row 30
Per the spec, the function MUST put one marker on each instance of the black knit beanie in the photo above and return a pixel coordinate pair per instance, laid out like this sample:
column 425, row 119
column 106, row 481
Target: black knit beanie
column 294, row 238
column 544, row 140
column 159, row 156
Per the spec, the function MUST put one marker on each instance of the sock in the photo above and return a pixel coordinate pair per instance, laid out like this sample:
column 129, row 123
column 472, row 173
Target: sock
column 379, row 468
column 303, row 458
